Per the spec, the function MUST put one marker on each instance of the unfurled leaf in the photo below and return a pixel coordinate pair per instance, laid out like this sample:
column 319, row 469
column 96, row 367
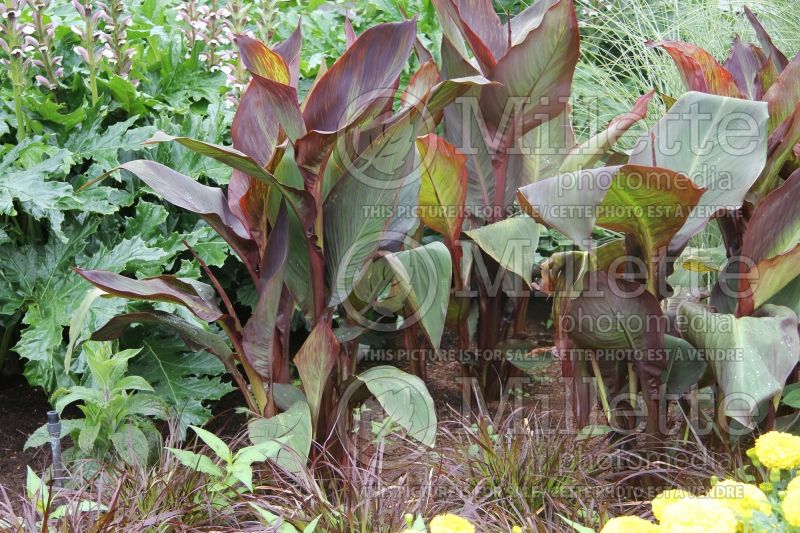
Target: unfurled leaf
column 511, row 242
column 781, row 146
column 424, row 275
column 746, row 63
column 208, row 202
column 289, row 50
column 651, row 205
column 281, row 100
column 361, row 206
column 774, row 227
column 292, row 432
column 620, row 323
column 445, row 92
column 356, row 86
column 300, row 201
column 568, row 202
column 405, row 399
column 479, row 25
column 767, row 278
column 259, row 59
column 701, row 137
column 685, row 366
column 751, row 356
column 537, row 72
column 543, row 150
column 195, row 337
column 784, row 94
column 769, row 244
column 161, row 288
column 443, row 186
column 315, row 362
column 420, row 84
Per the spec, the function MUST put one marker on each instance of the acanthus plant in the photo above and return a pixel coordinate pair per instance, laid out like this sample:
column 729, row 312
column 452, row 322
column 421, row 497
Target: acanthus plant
column 18, row 49
column 501, row 137
column 723, row 152
column 300, row 214
column 115, row 37
column 44, row 32
column 90, row 33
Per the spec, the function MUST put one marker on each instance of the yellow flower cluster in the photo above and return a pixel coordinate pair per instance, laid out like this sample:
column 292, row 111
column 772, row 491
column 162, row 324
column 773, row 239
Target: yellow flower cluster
column 778, row 450
column 791, row 507
column 741, row 498
column 727, row 508
column 698, row 515
column 450, row 523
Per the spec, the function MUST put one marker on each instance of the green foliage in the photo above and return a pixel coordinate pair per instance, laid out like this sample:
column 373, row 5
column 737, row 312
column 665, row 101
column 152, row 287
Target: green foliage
column 69, row 136
column 228, row 469
column 117, row 408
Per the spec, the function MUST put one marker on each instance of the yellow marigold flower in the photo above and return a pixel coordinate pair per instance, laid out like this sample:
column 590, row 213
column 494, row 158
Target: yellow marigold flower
column 629, row 524
column 741, row 498
column 450, row 523
column 698, row 515
column 778, row 450
column 794, row 485
column 667, row 498
column 791, row 507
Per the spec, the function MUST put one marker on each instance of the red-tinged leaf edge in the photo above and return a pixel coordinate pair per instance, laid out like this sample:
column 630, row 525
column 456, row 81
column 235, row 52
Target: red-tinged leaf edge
column 774, row 54
column 698, row 69
column 259, row 334
column 259, row 59
column 160, row 288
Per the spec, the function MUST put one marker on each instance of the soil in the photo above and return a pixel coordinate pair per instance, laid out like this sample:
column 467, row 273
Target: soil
column 22, row 410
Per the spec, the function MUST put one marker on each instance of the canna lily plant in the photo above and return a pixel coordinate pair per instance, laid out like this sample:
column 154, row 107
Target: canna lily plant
column 752, row 72
column 724, row 152
column 497, row 138
column 319, row 210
